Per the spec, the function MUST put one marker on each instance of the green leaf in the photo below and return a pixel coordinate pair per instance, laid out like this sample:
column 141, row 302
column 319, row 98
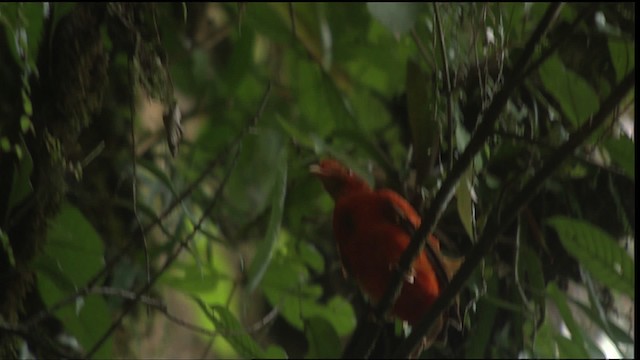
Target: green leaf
column 311, row 256
column 74, row 245
column 250, row 186
column 575, row 347
column 86, row 319
column 72, row 254
column 622, row 56
column 576, row 97
column 597, row 252
column 286, row 287
column 265, row 250
column 232, row 330
column 398, row 17
column 623, row 154
column 322, row 339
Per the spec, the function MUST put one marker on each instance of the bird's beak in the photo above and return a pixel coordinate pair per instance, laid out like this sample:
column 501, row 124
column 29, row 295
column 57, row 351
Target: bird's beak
column 315, row 169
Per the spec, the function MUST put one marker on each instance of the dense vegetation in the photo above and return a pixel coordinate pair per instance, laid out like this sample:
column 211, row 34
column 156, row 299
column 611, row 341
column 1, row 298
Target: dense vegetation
column 156, row 199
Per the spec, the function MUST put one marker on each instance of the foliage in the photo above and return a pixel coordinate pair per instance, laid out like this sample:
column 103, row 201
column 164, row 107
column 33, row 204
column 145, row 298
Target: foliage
column 104, row 216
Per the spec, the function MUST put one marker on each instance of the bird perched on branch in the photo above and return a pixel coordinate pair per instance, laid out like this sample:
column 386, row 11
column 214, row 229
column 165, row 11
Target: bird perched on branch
column 372, row 228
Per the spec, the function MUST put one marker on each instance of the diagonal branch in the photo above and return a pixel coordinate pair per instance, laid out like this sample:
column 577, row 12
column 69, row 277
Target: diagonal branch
column 446, row 191
column 497, row 225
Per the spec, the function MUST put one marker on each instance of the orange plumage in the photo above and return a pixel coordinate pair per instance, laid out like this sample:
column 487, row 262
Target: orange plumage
column 372, row 229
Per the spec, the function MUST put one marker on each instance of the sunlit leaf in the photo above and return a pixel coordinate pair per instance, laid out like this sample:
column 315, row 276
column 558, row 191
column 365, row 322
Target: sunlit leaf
column 622, row 56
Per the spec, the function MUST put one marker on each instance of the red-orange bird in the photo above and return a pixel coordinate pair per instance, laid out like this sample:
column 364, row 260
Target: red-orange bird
column 372, row 229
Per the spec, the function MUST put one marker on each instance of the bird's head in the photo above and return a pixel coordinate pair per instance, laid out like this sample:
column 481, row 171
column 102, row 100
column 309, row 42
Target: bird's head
column 337, row 179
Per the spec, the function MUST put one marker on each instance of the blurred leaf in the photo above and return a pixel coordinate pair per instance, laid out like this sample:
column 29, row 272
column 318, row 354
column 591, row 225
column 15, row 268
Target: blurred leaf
column 616, row 334
column 425, row 128
column 575, row 347
column 241, row 60
column 622, row 151
column 398, row 17
column 597, row 252
column 576, row 97
column 73, row 245
column 310, row 256
column 622, row 56
column 87, row 324
column 72, row 254
column 232, row 331
column 265, row 250
column 158, row 173
column 286, row 286
column 192, row 278
column 250, row 185
column 322, row 339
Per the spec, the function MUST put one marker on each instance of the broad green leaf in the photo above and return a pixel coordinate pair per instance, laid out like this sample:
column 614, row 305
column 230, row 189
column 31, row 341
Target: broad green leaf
column 398, row 17
column 265, row 250
column 575, row 347
column 544, row 345
column 576, row 97
column 72, row 254
column 623, row 154
column 322, row 339
column 275, row 352
column 73, row 245
column 286, row 286
column 86, row 319
column 597, row 252
column 622, row 56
